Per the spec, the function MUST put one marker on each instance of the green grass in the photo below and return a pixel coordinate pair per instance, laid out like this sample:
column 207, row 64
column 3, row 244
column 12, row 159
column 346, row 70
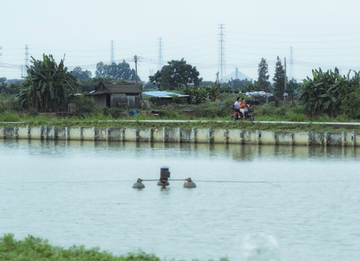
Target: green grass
column 89, row 122
column 37, row 249
column 9, row 117
column 101, row 120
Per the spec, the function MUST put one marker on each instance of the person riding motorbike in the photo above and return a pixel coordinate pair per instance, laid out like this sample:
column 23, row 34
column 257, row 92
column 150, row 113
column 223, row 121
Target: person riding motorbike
column 243, row 107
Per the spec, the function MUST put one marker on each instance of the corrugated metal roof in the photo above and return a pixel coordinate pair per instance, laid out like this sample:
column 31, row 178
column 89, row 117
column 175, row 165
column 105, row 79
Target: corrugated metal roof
column 163, row 94
column 116, row 88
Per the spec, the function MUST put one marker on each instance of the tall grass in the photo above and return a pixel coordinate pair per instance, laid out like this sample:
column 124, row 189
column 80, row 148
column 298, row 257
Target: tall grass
column 8, row 116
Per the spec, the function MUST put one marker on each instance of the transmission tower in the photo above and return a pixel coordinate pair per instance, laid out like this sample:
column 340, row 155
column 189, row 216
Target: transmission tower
column 160, row 61
column 23, row 67
column 222, row 67
column 112, row 52
column 291, row 73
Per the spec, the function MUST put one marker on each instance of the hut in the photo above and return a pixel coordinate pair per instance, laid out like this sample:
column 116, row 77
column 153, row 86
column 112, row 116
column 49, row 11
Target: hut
column 108, row 94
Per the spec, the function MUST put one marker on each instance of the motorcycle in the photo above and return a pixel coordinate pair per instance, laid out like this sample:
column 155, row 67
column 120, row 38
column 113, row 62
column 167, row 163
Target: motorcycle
column 237, row 115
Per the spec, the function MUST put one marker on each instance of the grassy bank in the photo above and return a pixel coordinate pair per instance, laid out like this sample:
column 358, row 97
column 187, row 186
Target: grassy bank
column 103, row 121
column 37, row 249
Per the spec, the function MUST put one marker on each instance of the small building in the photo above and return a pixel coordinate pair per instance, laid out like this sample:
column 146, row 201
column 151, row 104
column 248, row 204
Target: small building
column 108, row 94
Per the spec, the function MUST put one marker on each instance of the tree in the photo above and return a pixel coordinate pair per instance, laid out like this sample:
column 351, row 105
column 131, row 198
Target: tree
column 175, row 74
column 80, row 74
column 327, row 91
column 116, row 71
column 251, row 86
column 352, row 107
column 206, row 83
column 263, row 79
column 238, row 84
column 3, row 80
column 292, row 87
column 47, row 85
column 279, row 79
column 91, row 84
column 197, row 94
column 148, row 86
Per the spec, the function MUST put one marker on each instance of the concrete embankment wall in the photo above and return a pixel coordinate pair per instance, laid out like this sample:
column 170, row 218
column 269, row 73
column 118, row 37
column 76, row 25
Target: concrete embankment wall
column 218, row 136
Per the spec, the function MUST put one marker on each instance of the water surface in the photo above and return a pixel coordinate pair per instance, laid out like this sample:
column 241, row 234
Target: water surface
column 80, row 193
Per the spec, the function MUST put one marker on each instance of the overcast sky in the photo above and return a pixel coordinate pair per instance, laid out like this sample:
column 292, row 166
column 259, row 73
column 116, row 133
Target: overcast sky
column 321, row 33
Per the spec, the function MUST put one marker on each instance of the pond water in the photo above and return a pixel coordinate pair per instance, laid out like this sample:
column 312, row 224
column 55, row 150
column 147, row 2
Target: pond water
column 305, row 199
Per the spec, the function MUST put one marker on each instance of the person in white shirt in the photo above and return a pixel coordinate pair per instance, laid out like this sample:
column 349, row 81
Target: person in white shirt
column 237, row 105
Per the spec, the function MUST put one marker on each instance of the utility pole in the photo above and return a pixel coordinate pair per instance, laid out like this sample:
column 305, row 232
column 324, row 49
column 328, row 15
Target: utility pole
column 136, row 77
column 222, row 52
column 285, row 81
column 292, row 73
column 160, row 60
column 112, row 52
column 23, row 68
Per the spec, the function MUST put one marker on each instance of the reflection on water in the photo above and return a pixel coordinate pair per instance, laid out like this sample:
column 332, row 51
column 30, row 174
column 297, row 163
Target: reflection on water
column 236, row 152
column 80, row 193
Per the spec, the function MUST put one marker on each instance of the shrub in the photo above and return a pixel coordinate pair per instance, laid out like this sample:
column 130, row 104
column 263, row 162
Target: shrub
column 352, row 106
column 8, row 116
column 10, row 105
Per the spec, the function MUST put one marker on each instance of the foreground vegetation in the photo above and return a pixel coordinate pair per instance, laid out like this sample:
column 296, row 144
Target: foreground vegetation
column 37, row 249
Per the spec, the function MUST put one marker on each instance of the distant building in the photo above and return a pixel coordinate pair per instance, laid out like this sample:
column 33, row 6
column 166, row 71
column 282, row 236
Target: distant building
column 108, row 94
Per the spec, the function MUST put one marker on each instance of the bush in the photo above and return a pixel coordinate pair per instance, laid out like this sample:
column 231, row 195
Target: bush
column 352, row 106
column 12, row 105
column 213, row 110
column 32, row 248
column 8, row 116
column 155, row 102
column 113, row 112
column 286, row 111
column 85, row 105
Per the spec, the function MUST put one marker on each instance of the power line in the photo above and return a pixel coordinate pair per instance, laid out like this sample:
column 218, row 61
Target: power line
column 294, row 35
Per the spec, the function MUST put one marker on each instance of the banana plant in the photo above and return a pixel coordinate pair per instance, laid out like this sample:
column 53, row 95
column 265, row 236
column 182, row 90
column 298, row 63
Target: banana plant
column 327, row 91
column 47, row 85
